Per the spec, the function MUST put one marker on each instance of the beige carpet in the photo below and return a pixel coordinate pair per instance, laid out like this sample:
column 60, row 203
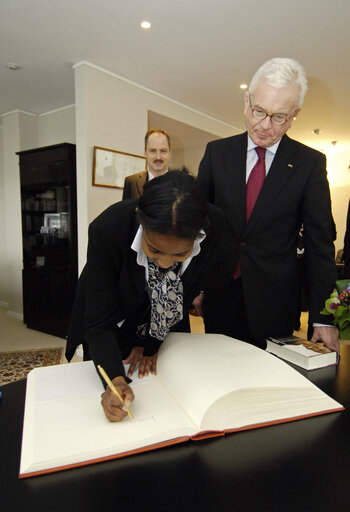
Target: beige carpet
column 17, row 364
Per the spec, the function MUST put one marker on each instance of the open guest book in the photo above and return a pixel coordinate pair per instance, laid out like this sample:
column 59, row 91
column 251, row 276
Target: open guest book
column 206, row 385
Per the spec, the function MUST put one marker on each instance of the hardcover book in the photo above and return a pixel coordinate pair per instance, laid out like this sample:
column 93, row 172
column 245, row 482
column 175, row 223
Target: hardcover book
column 206, row 385
column 303, row 353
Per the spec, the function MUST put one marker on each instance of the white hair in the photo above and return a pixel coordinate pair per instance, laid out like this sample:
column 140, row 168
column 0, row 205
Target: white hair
column 282, row 72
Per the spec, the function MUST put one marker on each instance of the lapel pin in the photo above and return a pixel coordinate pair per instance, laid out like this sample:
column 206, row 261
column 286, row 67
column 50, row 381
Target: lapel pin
column 290, row 165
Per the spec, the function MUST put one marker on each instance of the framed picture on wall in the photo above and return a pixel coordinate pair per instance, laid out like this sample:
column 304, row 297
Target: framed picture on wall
column 111, row 167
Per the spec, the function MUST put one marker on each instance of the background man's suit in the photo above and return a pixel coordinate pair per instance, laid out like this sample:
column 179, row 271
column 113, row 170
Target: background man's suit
column 295, row 191
column 133, row 185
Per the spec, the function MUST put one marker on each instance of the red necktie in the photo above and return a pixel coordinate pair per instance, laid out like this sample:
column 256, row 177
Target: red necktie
column 254, row 184
column 255, row 181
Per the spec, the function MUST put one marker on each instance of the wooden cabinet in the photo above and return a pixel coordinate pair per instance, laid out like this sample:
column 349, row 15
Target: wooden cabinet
column 49, row 233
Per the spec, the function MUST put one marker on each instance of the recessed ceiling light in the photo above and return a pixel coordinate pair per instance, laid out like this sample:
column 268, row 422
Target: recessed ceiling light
column 145, row 24
column 243, row 86
column 13, row 66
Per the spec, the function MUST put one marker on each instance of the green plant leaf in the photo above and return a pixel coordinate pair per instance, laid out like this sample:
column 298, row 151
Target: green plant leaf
column 334, row 294
column 341, row 284
column 345, row 333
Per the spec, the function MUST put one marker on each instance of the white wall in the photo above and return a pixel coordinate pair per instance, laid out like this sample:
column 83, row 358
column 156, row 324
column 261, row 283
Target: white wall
column 187, row 142
column 3, row 252
column 112, row 113
column 21, row 131
column 190, row 157
column 57, row 126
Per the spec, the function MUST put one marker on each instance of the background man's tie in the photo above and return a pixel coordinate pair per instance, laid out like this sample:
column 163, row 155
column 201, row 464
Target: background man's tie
column 254, row 184
column 255, row 181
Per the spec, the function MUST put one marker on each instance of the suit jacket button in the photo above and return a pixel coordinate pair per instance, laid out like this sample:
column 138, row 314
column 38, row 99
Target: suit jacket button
column 242, row 244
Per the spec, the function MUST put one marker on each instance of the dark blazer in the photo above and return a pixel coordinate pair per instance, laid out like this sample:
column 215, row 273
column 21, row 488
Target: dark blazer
column 295, row 191
column 133, row 185
column 112, row 286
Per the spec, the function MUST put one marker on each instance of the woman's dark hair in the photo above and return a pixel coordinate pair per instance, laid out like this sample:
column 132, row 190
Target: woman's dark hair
column 172, row 204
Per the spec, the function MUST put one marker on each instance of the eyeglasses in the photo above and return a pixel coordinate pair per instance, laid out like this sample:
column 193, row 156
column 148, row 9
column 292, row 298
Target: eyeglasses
column 259, row 114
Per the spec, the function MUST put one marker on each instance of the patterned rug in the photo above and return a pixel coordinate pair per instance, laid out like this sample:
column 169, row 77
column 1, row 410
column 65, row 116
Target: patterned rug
column 16, row 365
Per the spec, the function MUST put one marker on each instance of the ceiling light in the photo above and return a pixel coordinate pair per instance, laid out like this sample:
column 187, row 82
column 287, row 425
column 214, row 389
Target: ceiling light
column 13, row 66
column 243, row 86
column 145, row 24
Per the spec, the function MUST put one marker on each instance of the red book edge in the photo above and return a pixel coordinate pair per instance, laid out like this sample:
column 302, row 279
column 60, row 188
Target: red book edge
column 197, row 437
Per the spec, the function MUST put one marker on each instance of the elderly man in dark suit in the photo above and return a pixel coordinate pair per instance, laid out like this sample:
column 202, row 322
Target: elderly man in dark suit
column 157, row 153
column 268, row 185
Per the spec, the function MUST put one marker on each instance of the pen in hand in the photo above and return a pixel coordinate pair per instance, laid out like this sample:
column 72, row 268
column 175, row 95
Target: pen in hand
column 113, row 388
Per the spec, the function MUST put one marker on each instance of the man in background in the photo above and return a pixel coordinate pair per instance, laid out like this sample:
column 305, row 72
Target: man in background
column 268, row 185
column 157, row 153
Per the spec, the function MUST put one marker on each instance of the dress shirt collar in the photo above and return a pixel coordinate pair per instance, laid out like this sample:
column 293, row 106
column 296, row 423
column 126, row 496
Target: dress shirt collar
column 272, row 149
column 252, row 156
column 151, row 176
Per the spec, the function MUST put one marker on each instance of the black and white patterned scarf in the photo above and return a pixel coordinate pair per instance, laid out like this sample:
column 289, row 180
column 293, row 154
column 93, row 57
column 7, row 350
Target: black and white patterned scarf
column 166, row 295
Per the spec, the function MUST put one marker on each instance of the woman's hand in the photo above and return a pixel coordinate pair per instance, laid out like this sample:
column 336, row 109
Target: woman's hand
column 114, row 409
column 146, row 363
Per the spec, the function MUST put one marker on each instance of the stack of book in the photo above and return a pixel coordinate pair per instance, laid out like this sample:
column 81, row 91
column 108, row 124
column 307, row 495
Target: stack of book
column 303, row 353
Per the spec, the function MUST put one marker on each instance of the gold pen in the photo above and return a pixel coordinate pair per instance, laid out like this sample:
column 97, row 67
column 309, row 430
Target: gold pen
column 112, row 387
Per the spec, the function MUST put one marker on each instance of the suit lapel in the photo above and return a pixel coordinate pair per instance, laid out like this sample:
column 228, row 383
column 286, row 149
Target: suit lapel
column 235, row 174
column 136, row 274
column 142, row 178
column 281, row 170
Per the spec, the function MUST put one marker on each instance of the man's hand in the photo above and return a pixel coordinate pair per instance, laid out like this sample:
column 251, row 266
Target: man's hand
column 329, row 336
column 198, row 303
column 114, row 409
column 146, row 363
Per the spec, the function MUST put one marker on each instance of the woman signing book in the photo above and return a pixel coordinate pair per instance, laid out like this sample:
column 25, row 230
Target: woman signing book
column 146, row 267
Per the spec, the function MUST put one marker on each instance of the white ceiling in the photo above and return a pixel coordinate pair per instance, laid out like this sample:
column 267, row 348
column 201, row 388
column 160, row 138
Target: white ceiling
column 197, row 52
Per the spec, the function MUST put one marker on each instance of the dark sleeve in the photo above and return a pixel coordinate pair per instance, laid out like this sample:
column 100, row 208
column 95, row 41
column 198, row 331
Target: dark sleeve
column 151, row 345
column 103, row 302
column 334, row 229
column 204, row 178
column 318, row 240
